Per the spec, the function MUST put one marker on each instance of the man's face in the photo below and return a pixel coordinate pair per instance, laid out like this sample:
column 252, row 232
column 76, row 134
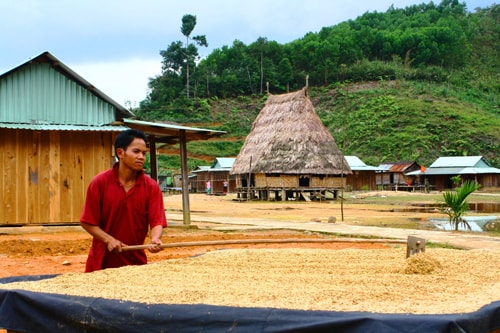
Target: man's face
column 134, row 156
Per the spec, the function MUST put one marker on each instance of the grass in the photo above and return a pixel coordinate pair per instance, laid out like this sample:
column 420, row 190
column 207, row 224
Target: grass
column 404, row 198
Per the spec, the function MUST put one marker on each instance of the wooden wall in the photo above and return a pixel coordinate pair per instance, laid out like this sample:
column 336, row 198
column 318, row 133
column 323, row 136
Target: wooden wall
column 45, row 174
column 443, row 182
column 217, row 180
column 361, row 180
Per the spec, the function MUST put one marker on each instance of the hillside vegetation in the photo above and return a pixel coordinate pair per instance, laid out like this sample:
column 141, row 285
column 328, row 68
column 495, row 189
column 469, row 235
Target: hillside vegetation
column 408, row 84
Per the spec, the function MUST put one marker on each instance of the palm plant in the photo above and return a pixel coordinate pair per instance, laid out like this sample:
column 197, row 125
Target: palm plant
column 456, row 205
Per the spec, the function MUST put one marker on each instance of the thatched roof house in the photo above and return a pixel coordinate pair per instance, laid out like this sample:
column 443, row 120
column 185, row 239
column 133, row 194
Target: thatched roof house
column 289, row 148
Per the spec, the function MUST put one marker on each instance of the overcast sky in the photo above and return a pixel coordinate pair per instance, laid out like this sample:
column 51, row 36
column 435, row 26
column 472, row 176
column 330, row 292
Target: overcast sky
column 115, row 44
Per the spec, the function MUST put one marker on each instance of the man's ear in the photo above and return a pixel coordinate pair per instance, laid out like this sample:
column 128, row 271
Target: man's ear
column 120, row 152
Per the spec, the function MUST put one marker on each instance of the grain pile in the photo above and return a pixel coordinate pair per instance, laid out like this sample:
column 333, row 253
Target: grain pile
column 383, row 281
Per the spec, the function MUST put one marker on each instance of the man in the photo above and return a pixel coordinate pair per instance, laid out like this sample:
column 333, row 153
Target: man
column 122, row 206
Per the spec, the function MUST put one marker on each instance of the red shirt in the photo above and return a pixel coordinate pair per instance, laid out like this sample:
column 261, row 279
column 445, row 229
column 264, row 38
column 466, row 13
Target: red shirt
column 127, row 216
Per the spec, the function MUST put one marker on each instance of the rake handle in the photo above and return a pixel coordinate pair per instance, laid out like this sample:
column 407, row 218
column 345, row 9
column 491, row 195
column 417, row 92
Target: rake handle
column 263, row 241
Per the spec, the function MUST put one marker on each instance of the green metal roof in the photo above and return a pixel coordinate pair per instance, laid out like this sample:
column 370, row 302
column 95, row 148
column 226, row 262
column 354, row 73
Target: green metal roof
column 458, row 165
column 460, row 161
column 45, row 91
column 42, row 127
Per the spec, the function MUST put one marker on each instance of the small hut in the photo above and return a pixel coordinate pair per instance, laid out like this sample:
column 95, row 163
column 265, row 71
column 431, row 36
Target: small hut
column 217, row 175
column 363, row 176
column 476, row 168
column 393, row 175
column 289, row 153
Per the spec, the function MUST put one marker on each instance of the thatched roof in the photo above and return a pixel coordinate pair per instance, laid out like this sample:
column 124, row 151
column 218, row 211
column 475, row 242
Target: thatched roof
column 288, row 137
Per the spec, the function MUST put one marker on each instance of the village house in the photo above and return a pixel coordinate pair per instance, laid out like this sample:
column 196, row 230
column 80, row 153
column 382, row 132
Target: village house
column 289, row 154
column 440, row 173
column 362, row 177
column 393, row 176
column 215, row 177
column 56, row 132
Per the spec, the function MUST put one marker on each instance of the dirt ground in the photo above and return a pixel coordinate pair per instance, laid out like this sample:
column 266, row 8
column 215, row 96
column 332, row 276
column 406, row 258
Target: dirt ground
column 65, row 250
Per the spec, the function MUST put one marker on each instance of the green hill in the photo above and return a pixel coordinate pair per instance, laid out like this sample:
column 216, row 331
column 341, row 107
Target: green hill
column 409, row 84
column 376, row 121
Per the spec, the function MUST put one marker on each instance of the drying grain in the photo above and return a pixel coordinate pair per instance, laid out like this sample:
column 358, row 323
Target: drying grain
column 383, row 281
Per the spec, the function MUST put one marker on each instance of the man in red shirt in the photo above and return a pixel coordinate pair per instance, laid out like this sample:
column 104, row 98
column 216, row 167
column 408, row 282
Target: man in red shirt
column 122, row 205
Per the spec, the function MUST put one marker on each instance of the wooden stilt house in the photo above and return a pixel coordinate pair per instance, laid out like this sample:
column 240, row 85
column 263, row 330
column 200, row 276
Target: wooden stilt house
column 289, row 154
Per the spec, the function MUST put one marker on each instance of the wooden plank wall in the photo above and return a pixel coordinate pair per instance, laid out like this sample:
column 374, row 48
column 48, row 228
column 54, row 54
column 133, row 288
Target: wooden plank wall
column 45, row 174
column 360, row 180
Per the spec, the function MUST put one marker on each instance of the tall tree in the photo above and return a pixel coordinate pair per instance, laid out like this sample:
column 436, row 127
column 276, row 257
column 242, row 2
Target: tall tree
column 179, row 58
column 191, row 51
column 285, row 72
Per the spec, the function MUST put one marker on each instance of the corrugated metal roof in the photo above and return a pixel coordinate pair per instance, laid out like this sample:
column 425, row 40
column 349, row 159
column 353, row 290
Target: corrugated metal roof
column 201, row 168
column 356, row 164
column 458, row 165
column 454, row 171
column 223, row 162
column 50, row 127
column 480, row 170
column 396, row 166
column 44, row 90
column 456, row 161
column 175, row 127
column 172, row 132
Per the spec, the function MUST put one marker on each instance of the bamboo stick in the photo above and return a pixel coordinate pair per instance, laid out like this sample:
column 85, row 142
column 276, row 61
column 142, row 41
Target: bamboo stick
column 265, row 241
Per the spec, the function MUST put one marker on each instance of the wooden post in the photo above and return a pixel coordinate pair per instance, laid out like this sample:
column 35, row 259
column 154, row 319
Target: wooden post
column 415, row 245
column 152, row 158
column 249, row 179
column 185, row 180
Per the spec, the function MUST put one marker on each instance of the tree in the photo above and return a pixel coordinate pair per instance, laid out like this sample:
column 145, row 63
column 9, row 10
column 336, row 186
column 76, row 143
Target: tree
column 261, row 42
column 188, row 24
column 456, row 205
column 178, row 57
column 285, row 71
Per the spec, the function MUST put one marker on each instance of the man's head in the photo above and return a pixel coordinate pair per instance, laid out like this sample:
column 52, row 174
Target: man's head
column 125, row 138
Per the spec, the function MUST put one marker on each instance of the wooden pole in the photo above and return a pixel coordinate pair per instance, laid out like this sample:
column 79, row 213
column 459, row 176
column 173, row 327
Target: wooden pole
column 185, row 180
column 153, row 161
column 266, row 241
column 249, row 178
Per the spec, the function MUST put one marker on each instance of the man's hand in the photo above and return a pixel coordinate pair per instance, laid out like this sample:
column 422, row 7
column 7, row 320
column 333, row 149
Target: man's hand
column 114, row 245
column 155, row 245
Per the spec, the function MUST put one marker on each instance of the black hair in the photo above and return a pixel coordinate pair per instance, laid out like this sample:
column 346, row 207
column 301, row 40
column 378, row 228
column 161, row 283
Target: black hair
column 125, row 138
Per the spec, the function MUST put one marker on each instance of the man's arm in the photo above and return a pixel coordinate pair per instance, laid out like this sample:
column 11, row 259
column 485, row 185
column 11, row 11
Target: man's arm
column 95, row 231
column 156, row 233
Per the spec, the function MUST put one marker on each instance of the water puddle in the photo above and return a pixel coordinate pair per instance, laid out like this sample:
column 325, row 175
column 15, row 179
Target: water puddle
column 476, row 223
column 479, row 207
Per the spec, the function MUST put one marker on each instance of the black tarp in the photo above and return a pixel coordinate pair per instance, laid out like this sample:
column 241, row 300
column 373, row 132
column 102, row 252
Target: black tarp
column 26, row 311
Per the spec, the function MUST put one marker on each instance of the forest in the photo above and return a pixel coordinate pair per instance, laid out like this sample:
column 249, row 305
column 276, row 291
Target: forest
column 410, row 83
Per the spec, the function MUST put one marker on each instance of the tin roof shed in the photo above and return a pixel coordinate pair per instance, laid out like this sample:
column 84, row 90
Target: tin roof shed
column 458, row 165
column 46, row 93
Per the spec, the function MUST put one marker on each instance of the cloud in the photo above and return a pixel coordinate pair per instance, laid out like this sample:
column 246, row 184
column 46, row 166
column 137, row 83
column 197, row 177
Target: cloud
column 125, row 81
